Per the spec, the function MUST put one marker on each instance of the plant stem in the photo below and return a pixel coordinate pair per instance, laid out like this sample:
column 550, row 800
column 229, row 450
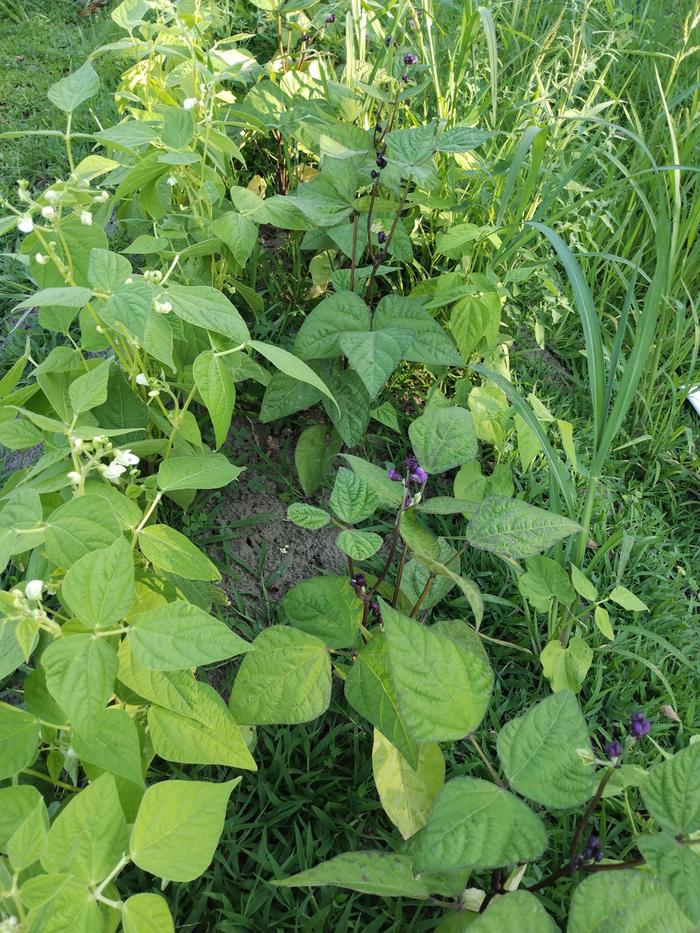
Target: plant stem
column 45, row 777
column 399, row 574
column 585, row 819
column 424, row 593
column 489, row 767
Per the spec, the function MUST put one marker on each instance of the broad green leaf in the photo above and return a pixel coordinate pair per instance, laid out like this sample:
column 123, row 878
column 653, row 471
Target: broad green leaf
column 173, row 690
column 197, row 471
column 286, row 678
column 462, row 139
column 389, row 493
column 545, row 580
column 352, row 499
column 671, row 791
column 238, row 232
column 215, row 385
column 443, row 438
column 602, row 621
column 284, row 395
column 350, row 413
column 443, row 690
column 74, row 90
column 80, row 675
column 178, row 826
column 515, row 529
column 99, row 588
column 90, row 390
column 566, row 668
column 78, row 527
column 28, row 842
column 359, row 545
column 89, row 835
column 677, row 866
column 583, row 585
column 542, row 753
column 292, row 366
column 169, row 550
column 475, row 824
column 623, row 597
column 307, row 516
column 212, row 738
column 16, row 804
column 446, row 505
column 475, row 320
column 374, row 355
column 313, row 454
column 110, row 741
column 19, row 434
column 384, row 873
column 65, row 297
column 208, row 308
column 19, row 740
column 516, row 911
column 339, row 313
column 627, row 902
column 407, row 794
column 430, row 345
column 386, row 414
column 107, row 270
column 326, row 607
column 58, row 903
column 369, row 689
column 177, row 636
column 147, row 913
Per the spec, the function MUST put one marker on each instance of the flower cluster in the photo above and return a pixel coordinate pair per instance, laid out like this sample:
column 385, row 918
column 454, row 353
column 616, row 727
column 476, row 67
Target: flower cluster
column 414, row 472
column 592, row 851
column 639, row 725
column 613, row 752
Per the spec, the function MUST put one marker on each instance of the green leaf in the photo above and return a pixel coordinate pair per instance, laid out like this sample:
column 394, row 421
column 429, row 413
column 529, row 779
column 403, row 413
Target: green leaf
column 383, row 873
column 238, row 232
column 623, row 597
column 514, row 529
column 147, row 913
column 16, row 804
column 545, row 580
column 462, row 139
column 542, row 753
column 677, row 866
column 389, row 493
column 286, row 678
column 19, row 739
column 90, row 390
column 352, row 499
column 443, row 438
column 27, row 843
column 78, row 527
column 326, row 607
column 335, row 315
column 212, row 738
column 215, row 385
column 307, row 516
column 627, row 902
column 407, row 794
column 284, row 395
column 89, row 835
column 107, row 270
column 178, row 826
column 202, row 470
column 176, row 636
column 359, row 545
column 374, row 355
column 671, row 791
column 477, row 825
column 350, row 414
column 475, row 320
column 602, row 621
column 442, row 689
column 80, row 675
column 430, row 345
column 386, row 414
column 517, row 910
column 99, row 588
column 566, row 668
column 57, row 903
column 369, row 689
column 110, row 741
column 208, row 308
column 71, row 92
column 72, row 296
column 173, row 690
column 313, row 454
column 583, row 585
column 169, row 550
column 446, row 505
column 290, row 365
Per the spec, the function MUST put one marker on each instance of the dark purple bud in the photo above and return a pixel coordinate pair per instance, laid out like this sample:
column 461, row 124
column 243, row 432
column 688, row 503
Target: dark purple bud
column 639, row 725
column 405, row 79
column 306, row 37
column 374, row 174
column 408, row 501
column 410, row 463
column 419, row 475
column 410, row 59
column 613, row 750
column 330, row 18
column 593, row 849
column 358, row 581
column 387, row 41
column 381, row 236
column 376, row 611
column 377, row 127
column 381, row 161
column 394, row 475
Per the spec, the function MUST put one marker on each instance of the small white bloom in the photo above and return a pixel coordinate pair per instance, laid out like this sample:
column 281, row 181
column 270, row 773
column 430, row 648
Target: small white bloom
column 71, row 752
column 113, row 471
column 102, row 197
column 189, row 103
column 125, row 458
column 74, row 477
column 99, row 328
column 85, row 218
column 33, row 589
column 154, row 393
column 142, row 379
column 162, row 307
column 41, row 259
column 25, row 224
column 48, row 212
column 76, row 443
column 128, row 281
column 172, row 181
column 12, row 921
column 53, row 197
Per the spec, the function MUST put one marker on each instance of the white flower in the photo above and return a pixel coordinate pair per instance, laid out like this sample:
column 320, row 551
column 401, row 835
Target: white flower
column 125, row 458
column 25, row 224
column 162, row 307
column 41, row 259
column 53, row 197
column 128, row 281
column 102, row 197
column 113, row 471
column 172, row 181
column 99, row 328
column 76, row 442
column 74, row 477
column 154, row 393
column 33, row 589
column 85, row 218
column 48, row 212
column 189, row 103
column 142, row 379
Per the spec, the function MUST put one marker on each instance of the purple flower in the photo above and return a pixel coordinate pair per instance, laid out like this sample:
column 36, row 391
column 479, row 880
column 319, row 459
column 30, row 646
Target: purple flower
column 358, row 581
column 381, row 161
column 405, row 79
column 394, row 475
column 408, row 501
column 381, row 236
column 639, row 725
column 387, row 41
column 410, row 59
column 374, row 173
column 376, row 611
column 378, row 127
column 410, row 463
column 330, row 18
column 613, row 751
column 418, row 475
column 593, row 850
column 306, row 37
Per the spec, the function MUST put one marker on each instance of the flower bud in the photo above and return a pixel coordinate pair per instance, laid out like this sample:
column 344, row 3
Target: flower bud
column 142, row 379
column 53, row 197
column 41, row 259
column 25, row 224
column 189, row 103
column 33, row 589
column 85, row 218
column 74, row 477
column 48, row 212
